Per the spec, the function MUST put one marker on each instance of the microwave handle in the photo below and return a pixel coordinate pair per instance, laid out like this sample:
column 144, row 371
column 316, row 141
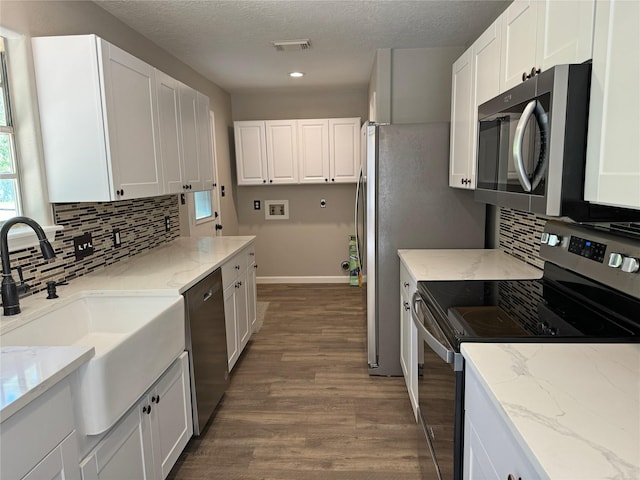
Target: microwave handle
column 533, row 107
column 523, row 178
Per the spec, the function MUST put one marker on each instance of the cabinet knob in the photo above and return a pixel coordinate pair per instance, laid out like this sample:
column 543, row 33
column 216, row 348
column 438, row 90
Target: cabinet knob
column 264, row 181
column 218, row 226
column 524, row 76
column 406, row 284
column 237, row 285
column 255, row 266
column 146, row 409
column 270, row 181
column 237, row 267
column 326, row 179
column 333, row 179
column 511, row 477
column 407, row 307
column 155, row 399
column 214, row 185
column 120, row 192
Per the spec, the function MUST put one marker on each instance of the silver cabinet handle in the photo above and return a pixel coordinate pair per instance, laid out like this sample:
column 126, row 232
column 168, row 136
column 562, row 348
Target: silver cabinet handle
column 207, row 295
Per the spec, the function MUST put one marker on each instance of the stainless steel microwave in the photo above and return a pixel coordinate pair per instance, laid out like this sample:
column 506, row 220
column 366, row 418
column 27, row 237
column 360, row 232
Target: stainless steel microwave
column 532, row 142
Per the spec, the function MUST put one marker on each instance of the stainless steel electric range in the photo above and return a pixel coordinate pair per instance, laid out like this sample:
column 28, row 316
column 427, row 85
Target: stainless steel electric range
column 590, row 292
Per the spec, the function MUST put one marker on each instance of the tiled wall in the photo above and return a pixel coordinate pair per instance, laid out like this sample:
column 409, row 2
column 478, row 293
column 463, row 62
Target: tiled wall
column 142, row 227
column 520, row 235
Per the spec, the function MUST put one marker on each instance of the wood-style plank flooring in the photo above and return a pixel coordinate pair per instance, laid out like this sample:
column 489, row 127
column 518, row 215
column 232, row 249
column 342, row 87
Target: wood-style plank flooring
column 301, row 405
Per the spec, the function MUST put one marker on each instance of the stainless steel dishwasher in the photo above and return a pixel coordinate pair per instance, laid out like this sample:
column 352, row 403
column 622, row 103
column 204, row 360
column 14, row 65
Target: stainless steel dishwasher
column 207, row 345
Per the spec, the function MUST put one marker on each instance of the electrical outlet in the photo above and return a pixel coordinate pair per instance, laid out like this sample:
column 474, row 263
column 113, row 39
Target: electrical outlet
column 117, row 241
column 83, row 246
column 167, row 224
column 323, row 203
column 256, row 204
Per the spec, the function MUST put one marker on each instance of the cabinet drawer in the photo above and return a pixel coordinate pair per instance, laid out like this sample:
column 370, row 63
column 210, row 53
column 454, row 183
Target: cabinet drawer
column 24, row 440
column 231, row 270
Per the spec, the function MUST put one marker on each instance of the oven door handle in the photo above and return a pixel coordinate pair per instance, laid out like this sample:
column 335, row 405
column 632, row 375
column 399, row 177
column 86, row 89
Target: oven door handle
column 445, row 352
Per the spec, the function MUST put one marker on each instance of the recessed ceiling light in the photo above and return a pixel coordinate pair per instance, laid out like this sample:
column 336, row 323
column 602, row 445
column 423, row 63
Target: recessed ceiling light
column 296, row 74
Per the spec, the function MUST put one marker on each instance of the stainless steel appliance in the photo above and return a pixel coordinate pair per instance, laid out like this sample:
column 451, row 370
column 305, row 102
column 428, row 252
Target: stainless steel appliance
column 206, row 341
column 408, row 205
column 590, row 292
column 532, row 143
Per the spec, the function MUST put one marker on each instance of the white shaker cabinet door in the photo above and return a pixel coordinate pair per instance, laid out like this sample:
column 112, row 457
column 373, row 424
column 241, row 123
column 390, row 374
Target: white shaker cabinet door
column 251, row 152
column 61, row 463
column 461, row 111
column 613, row 142
column 313, row 150
column 344, row 149
column 282, row 151
column 169, row 123
column 205, row 145
column 565, row 32
column 519, row 37
column 189, row 135
column 134, row 143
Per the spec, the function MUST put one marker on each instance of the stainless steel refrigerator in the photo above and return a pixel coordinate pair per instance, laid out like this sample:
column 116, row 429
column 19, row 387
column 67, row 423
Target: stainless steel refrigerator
column 403, row 200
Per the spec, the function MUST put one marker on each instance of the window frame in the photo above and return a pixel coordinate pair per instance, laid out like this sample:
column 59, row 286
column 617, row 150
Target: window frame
column 9, row 129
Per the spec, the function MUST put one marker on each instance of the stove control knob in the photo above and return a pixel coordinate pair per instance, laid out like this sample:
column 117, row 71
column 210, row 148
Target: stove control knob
column 630, row 265
column 554, row 240
column 615, row 260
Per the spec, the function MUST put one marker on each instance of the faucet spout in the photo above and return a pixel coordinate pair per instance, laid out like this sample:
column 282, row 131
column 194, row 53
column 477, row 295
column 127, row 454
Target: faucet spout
column 10, row 298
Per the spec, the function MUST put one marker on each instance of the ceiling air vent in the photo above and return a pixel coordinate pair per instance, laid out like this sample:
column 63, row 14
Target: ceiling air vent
column 290, row 45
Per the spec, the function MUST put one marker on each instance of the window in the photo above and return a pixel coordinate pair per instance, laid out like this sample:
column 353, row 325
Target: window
column 202, row 201
column 9, row 181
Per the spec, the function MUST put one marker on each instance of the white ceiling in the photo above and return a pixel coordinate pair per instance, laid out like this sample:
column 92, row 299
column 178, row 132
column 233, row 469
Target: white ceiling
column 229, row 41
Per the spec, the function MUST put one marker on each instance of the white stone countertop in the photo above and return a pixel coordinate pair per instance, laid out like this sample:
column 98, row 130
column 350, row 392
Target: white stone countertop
column 574, row 408
column 169, row 269
column 27, row 372
column 465, row 264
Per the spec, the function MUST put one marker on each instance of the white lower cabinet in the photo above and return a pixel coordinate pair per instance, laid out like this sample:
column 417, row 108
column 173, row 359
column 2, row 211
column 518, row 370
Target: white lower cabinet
column 147, row 442
column 491, row 451
column 39, row 442
column 408, row 338
column 239, row 283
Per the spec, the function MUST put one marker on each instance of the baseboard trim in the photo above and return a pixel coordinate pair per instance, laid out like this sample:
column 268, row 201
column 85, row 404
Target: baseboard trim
column 340, row 279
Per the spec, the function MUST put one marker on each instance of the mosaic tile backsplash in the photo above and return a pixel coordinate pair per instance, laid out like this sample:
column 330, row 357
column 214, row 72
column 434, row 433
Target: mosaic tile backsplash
column 142, row 227
column 519, row 235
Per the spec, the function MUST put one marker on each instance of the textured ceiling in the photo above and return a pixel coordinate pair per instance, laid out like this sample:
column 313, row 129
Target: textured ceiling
column 229, row 41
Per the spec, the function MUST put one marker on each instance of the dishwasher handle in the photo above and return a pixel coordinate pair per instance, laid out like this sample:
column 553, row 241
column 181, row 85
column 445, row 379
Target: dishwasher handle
column 207, row 295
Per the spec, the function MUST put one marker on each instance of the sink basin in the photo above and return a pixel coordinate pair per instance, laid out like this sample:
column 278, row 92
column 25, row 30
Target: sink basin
column 136, row 338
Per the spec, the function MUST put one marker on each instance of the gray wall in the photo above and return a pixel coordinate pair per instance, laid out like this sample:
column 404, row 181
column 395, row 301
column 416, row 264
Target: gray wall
column 40, row 18
column 314, row 240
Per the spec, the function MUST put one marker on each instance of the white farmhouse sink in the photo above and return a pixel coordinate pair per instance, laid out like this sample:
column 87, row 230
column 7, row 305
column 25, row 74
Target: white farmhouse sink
column 136, row 338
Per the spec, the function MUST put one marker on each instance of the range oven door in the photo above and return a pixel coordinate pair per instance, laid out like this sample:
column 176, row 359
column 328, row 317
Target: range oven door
column 440, row 388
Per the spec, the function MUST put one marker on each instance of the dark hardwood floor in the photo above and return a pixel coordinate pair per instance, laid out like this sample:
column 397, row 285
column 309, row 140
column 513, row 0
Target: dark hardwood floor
column 301, row 405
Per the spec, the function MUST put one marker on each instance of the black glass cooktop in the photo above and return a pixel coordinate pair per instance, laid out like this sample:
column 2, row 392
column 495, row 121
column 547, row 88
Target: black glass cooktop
column 562, row 305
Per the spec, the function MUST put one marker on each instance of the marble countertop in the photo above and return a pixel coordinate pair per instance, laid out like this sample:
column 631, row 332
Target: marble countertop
column 170, row 269
column 465, row 264
column 26, row 372
column 574, row 408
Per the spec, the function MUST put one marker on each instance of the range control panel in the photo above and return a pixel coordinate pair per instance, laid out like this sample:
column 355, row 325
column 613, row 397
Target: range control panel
column 606, row 257
column 587, row 248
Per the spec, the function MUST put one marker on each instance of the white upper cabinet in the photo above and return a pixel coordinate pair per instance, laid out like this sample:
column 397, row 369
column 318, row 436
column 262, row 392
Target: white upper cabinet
column 99, row 120
column 476, row 79
column 297, row 151
column 462, row 106
column 282, row 151
column 537, row 35
column 251, row 152
column 114, row 127
column 344, row 149
column 169, row 123
column 205, row 145
column 313, row 150
column 189, row 135
column 613, row 142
